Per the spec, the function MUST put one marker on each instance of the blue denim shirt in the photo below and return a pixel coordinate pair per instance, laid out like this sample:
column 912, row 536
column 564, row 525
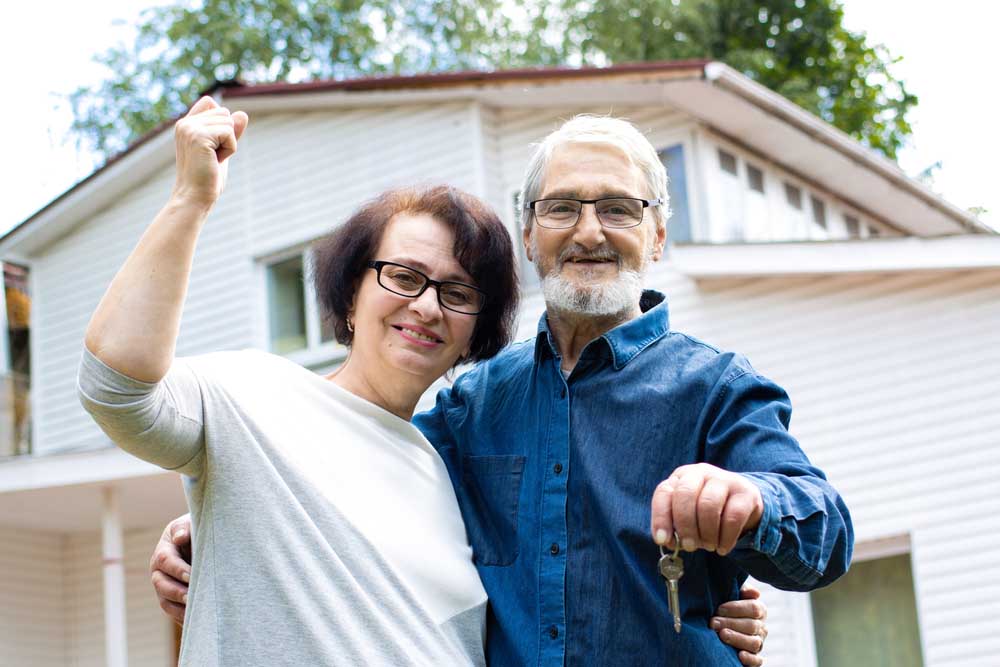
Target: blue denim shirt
column 554, row 478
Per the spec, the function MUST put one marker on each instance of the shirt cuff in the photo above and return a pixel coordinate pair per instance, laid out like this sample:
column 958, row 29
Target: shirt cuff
column 767, row 536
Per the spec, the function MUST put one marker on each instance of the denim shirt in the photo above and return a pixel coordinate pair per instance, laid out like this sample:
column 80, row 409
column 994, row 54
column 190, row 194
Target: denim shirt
column 554, row 478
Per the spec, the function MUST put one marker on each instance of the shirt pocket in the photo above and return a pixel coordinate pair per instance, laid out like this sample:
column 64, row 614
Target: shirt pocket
column 492, row 486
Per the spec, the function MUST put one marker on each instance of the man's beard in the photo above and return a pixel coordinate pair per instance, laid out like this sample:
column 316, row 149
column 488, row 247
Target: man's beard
column 604, row 299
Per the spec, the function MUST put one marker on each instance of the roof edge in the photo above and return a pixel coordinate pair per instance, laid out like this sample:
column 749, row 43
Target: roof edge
column 771, row 102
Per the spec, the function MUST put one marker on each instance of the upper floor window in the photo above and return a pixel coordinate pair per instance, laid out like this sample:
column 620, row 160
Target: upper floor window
column 818, row 211
column 294, row 325
column 853, row 226
column 727, row 162
column 755, row 178
column 679, row 224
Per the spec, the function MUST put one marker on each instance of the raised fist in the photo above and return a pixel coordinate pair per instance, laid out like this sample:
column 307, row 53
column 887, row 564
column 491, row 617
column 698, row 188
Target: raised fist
column 204, row 140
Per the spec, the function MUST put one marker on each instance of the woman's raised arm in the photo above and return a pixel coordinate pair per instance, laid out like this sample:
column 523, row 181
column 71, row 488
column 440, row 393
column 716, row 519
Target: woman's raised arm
column 134, row 328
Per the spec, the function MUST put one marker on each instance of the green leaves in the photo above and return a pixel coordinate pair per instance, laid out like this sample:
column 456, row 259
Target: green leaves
column 798, row 48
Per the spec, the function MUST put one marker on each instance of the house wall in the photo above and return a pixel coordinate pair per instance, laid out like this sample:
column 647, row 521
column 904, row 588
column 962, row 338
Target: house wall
column 32, row 599
column 150, row 632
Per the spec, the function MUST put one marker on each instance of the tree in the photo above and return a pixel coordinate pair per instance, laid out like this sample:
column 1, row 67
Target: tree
column 799, row 48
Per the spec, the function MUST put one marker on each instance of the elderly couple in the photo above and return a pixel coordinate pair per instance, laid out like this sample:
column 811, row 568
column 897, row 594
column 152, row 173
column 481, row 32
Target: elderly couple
column 518, row 522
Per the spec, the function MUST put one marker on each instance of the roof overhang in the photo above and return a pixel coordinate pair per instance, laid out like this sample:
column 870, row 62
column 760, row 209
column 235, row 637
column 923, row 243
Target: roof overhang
column 712, row 93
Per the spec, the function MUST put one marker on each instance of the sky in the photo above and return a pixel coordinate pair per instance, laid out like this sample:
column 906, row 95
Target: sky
column 949, row 60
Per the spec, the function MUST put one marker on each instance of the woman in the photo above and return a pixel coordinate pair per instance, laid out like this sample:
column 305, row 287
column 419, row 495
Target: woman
column 325, row 527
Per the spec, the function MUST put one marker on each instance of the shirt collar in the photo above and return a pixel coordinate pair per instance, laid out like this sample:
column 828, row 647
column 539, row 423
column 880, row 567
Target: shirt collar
column 624, row 341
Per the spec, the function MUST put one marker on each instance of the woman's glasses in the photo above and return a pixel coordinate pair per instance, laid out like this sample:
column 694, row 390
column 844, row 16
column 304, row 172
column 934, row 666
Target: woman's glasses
column 407, row 281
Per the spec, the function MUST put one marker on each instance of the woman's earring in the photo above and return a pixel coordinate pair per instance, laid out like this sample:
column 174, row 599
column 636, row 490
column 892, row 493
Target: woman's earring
column 350, row 324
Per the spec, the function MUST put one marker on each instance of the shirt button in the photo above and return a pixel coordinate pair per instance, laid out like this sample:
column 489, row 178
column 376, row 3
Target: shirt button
column 554, row 549
column 562, row 392
column 553, row 632
column 557, row 468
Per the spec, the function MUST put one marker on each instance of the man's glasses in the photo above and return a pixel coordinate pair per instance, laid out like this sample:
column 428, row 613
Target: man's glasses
column 613, row 212
column 406, row 281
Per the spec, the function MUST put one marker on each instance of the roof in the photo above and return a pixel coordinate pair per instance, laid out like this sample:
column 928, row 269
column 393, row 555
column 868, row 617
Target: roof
column 718, row 97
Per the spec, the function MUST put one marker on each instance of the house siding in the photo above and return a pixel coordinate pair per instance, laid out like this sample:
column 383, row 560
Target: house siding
column 150, row 635
column 32, row 599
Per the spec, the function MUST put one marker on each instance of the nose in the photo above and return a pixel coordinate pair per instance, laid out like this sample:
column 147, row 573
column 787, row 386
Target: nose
column 588, row 231
column 426, row 305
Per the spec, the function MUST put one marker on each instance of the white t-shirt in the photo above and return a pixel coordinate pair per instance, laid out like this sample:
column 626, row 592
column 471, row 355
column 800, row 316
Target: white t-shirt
column 326, row 529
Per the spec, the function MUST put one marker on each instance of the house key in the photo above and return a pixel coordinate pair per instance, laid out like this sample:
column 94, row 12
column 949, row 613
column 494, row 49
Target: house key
column 672, row 569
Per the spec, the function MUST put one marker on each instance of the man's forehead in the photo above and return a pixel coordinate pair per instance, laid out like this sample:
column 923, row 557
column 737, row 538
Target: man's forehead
column 591, row 169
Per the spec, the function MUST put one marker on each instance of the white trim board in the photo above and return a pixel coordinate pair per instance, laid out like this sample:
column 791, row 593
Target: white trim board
column 950, row 253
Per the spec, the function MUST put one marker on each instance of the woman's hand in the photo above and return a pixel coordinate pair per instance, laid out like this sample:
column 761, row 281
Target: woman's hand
column 204, row 140
column 170, row 567
column 740, row 624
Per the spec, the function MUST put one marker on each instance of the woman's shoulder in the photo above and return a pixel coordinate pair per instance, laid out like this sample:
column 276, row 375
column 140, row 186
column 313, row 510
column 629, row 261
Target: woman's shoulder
column 239, row 364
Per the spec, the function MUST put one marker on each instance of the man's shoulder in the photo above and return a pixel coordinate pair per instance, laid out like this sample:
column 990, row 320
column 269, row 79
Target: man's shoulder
column 696, row 355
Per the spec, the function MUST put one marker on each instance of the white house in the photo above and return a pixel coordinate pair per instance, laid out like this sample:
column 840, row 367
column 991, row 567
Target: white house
column 872, row 300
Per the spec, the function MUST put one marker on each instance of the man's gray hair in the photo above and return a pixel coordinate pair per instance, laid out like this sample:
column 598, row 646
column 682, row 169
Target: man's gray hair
column 592, row 129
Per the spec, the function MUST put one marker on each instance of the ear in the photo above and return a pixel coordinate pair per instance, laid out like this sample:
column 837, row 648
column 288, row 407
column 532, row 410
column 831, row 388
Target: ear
column 659, row 242
column 526, row 239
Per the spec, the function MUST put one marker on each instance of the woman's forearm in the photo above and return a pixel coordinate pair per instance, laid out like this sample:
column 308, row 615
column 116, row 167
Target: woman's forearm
column 134, row 329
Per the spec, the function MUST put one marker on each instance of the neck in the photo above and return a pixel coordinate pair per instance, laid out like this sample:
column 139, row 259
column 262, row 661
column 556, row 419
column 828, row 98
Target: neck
column 573, row 331
column 398, row 397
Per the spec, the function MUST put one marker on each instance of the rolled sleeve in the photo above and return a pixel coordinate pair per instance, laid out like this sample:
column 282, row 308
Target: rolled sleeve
column 158, row 422
column 805, row 537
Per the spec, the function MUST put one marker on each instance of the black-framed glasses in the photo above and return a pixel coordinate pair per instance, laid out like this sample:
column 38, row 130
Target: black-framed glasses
column 407, row 281
column 613, row 212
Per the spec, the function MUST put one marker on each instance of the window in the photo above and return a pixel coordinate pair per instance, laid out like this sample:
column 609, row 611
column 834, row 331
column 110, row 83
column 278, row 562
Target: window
column 294, row 326
column 679, row 224
column 853, row 226
column 868, row 616
column 15, row 365
column 727, row 162
column 793, row 196
column 818, row 211
column 755, row 178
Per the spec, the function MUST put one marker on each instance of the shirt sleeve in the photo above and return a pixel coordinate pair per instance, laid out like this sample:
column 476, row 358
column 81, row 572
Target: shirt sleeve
column 805, row 537
column 158, row 422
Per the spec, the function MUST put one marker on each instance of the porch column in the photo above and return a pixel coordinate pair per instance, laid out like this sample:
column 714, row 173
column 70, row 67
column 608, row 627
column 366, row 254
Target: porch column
column 115, row 643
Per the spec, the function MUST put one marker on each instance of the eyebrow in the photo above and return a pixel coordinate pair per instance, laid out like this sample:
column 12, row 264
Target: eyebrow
column 417, row 264
column 575, row 194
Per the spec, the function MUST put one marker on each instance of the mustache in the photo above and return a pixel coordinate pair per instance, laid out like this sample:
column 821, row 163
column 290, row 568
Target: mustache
column 602, row 253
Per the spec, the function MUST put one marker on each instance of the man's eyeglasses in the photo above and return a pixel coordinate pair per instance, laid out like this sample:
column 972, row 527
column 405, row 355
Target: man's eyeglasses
column 406, row 281
column 613, row 212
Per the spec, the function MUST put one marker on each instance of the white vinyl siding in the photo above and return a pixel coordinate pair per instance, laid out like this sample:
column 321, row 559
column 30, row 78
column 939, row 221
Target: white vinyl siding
column 51, row 601
column 307, row 171
column 32, row 599
column 150, row 635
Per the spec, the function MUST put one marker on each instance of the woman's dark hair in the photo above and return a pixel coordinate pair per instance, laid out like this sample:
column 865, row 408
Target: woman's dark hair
column 482, row 246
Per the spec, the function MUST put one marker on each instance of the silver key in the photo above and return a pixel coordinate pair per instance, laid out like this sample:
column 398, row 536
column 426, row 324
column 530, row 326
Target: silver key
column 672, row 569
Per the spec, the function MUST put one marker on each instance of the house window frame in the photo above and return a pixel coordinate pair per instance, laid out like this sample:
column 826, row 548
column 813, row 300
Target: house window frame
column 866, row 550
column 317, row 354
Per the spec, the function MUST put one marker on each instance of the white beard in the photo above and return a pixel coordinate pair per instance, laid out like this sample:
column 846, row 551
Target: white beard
column 600, row 300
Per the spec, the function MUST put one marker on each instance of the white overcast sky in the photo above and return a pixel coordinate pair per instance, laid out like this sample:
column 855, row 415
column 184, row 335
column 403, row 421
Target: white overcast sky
column 949, row 60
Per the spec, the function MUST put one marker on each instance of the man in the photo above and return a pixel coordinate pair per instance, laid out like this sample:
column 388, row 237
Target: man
column 574, row 454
